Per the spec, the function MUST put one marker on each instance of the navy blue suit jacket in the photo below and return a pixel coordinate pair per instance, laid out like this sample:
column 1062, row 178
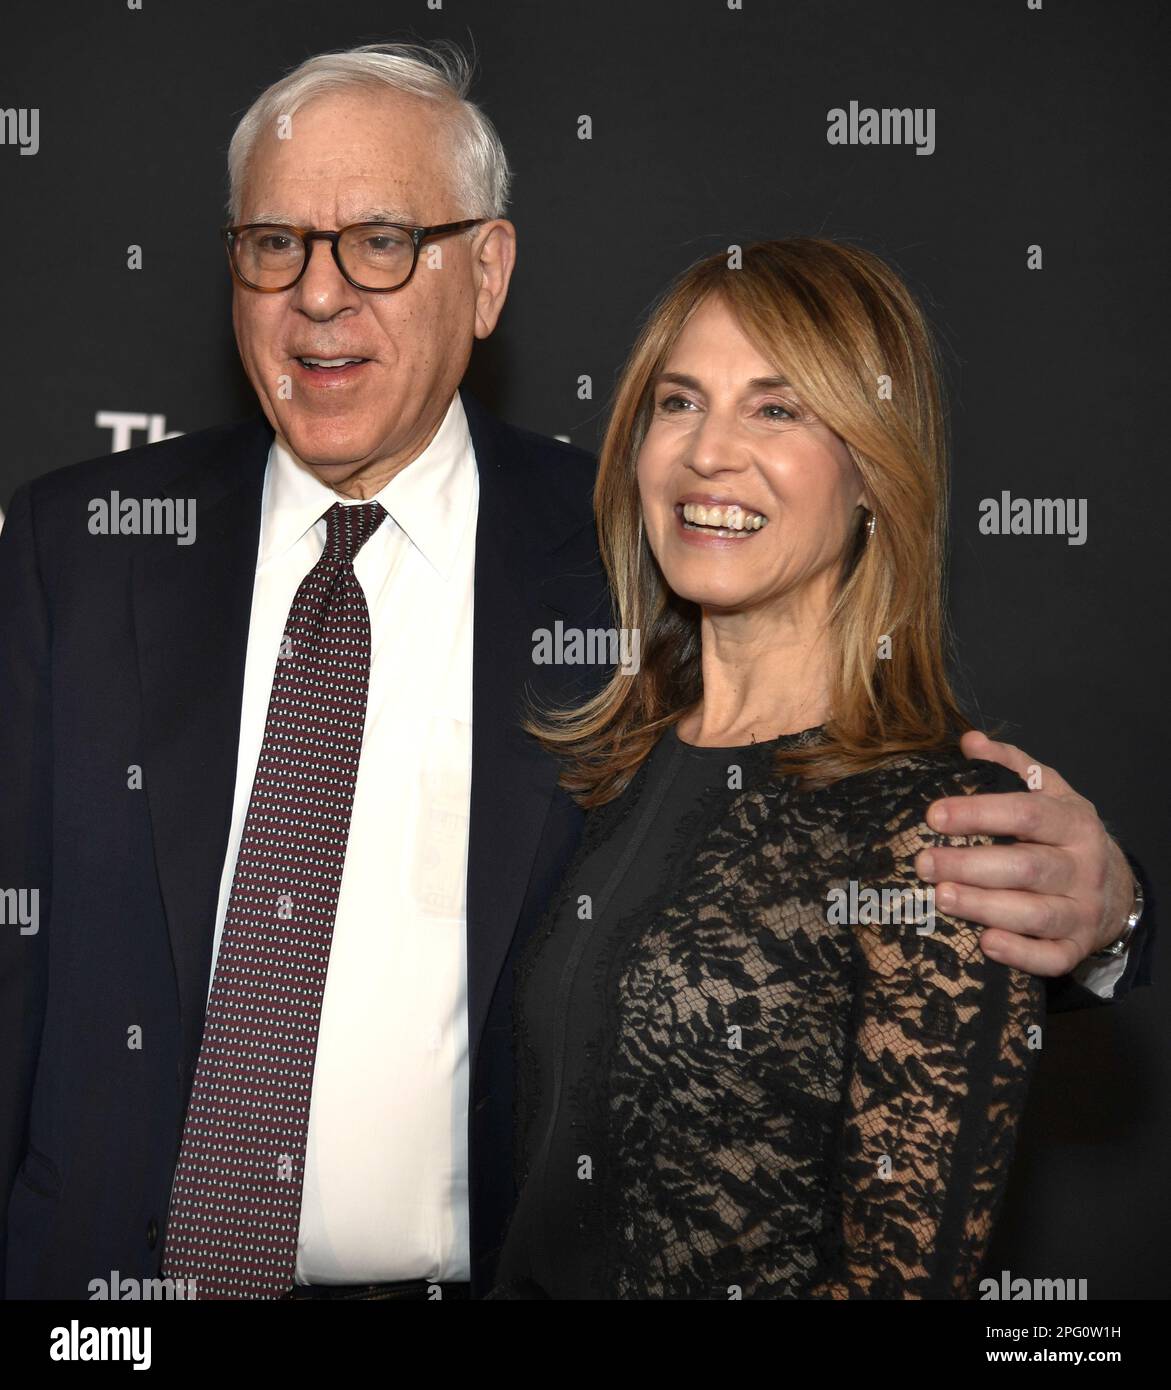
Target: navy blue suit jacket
column 118, row 651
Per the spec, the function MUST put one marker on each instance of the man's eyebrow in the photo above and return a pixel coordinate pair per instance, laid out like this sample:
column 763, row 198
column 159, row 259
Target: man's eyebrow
column 758, row 383
column 387, row 215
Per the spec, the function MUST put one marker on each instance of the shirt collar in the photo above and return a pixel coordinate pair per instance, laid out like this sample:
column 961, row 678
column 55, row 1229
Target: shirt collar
column 428, row 499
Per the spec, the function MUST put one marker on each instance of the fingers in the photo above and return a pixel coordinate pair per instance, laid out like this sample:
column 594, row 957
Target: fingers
column 976, row 744
column 1050, row 898
column 1047, row 820
column 1039, row 915
column 1049, row 958
column 1032, row 890
column 1037, row 869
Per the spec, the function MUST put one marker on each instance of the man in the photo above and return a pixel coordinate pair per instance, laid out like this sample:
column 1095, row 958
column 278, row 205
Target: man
column 274, row 830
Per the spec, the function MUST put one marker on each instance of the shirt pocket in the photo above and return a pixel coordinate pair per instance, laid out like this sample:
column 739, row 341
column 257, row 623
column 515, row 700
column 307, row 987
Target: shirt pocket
column 441, row 846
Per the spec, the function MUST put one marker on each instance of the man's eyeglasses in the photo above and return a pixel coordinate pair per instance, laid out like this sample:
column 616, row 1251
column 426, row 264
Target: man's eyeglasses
column 378, row 256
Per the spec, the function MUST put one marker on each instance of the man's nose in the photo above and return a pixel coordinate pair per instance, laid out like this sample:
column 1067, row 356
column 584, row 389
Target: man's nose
column 323, row 289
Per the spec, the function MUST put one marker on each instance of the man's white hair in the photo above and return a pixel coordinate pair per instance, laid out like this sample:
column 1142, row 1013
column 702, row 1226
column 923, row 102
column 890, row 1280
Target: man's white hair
column 438, row 72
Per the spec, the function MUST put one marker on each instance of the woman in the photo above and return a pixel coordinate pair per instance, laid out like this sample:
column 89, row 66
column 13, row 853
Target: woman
column 737, row 1075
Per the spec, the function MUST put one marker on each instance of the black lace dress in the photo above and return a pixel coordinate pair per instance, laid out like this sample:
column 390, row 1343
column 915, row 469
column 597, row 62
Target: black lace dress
column 740, row 1074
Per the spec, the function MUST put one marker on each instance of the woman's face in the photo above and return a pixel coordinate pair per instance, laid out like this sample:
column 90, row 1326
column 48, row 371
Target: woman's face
column 746, row 497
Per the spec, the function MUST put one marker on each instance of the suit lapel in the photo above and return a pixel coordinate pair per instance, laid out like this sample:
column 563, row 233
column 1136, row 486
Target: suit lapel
column 192, row 606
column 513, row 779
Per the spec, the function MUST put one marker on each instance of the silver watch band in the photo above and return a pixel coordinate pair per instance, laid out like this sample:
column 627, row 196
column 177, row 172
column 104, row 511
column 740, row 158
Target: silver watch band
column 1119, row 947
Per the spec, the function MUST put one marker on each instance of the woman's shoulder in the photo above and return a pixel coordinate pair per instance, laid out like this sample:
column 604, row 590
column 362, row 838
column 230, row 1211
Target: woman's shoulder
column 943, row 771
column 888, row 830
column 886, row 807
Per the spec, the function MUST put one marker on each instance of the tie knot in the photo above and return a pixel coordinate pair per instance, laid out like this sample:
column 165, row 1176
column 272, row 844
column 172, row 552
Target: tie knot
column 347, row 529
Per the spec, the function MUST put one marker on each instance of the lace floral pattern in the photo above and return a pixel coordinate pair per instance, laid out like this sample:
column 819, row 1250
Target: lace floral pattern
column 778, row 1104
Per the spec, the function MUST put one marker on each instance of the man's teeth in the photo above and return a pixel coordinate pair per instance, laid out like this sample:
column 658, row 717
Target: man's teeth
column 732, row 518
column 329, row 361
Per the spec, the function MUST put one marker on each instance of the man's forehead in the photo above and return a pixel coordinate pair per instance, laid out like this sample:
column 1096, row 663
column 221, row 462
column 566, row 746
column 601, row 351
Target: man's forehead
column 276, row 211
column 356, row 171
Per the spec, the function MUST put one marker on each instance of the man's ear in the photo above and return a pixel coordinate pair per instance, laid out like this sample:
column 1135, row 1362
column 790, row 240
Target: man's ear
column 495, row 255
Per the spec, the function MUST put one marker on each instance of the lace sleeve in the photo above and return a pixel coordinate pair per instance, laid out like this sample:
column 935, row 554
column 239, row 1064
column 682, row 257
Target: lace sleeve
column 940, row 1065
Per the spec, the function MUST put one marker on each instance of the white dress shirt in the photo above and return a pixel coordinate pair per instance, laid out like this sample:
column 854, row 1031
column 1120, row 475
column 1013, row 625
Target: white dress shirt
column 1101, row 976
column 385, row 1195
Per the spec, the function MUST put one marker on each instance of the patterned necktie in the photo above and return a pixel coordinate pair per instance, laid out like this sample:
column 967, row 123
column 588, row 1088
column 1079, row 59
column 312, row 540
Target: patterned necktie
column 236, row 1200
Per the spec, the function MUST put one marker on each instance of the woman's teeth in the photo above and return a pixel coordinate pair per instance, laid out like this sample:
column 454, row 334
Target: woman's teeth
column 726, row 521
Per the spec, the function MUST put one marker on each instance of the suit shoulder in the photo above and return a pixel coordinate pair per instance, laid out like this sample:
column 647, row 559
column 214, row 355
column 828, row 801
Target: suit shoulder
column 552, row 459
column 548, row 478
column 147, row 468
column 570, row 455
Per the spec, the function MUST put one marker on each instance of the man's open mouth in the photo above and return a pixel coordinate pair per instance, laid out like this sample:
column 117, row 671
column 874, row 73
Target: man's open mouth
column 330, row 364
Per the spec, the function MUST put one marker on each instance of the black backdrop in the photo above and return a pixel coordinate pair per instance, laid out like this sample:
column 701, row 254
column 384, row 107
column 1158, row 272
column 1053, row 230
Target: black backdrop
column 709, row 128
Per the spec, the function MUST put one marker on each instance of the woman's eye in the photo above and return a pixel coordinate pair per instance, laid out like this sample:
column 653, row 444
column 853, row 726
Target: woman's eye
column 787, row 412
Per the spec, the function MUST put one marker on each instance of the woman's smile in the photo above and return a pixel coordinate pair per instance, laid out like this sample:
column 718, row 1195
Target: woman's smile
column 706, row 520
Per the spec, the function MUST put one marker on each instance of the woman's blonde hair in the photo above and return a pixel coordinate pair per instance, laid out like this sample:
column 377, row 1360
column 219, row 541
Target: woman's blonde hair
column 840, row 325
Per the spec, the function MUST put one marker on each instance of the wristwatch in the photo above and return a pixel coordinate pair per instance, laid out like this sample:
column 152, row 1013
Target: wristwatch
column 1118, row 948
